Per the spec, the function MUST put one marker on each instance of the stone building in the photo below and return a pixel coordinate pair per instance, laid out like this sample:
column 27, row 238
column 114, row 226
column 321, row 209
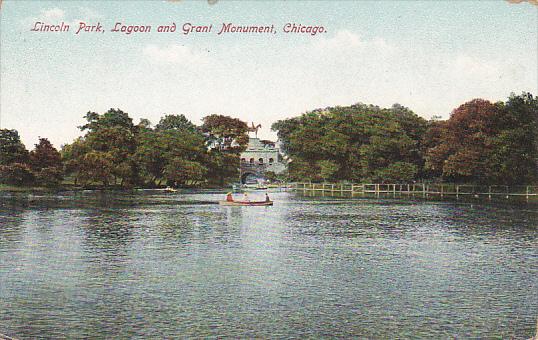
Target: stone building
column 259, row 157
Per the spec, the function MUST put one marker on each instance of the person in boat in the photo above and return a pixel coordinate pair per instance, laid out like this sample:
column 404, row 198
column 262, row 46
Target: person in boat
column 229, row 197
column 267, row 199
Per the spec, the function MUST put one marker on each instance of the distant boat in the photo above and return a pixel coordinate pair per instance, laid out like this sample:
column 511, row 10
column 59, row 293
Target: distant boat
column 246, row 203
column 170, row 189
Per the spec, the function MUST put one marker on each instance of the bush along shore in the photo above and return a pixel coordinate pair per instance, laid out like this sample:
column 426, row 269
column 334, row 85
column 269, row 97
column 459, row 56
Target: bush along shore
column 481, row 143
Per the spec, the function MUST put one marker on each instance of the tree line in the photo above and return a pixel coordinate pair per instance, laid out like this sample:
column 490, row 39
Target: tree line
column 481, row 142
column 116, row 152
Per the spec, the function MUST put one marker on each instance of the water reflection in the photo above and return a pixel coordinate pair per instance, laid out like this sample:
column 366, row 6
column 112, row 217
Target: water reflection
column 11, row 230
column 156, row 265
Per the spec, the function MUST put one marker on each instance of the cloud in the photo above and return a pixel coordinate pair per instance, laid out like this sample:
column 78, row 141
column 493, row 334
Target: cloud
column 346, row 44
column 345, row 67
column 52, row 14
column 175, row 54
column 86, row 15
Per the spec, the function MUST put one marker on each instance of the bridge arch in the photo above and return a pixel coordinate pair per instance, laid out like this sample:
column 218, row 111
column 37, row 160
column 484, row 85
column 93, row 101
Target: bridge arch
column 245, row 175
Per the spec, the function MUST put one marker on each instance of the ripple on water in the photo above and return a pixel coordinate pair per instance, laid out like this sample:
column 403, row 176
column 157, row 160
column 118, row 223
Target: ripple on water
column 141, row 265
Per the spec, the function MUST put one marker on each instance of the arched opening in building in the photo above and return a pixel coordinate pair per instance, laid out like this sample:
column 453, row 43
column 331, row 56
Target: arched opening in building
column 271, row 161
column 260, row 160
column 243, row 160
column 249, row 178
column 252, row 161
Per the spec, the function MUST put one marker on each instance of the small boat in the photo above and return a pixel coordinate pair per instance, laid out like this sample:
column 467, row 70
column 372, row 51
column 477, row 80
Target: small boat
column 246, row 203
column 170, row 189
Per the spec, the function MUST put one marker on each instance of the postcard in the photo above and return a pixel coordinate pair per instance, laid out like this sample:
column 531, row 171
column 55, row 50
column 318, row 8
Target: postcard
column 268, row 169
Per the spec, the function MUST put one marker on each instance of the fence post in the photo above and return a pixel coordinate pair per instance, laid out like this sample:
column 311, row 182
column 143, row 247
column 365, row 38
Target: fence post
column 527, row 194
column 489, row 193
column 457, row 192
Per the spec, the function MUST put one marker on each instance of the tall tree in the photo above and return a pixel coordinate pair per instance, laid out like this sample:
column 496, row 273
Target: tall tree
column 46, row 163
column 226, row 138
column 169, row 143
column 113, row 135
column 45, row 155
column 514, row 153
column 11, row 148
column 359, row 142
column 176, row 122
column 487, row 143
column 225, row 133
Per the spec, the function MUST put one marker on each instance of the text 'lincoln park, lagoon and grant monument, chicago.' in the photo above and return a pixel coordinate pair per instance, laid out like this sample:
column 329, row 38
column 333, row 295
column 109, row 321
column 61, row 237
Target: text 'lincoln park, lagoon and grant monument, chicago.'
column 184, row 29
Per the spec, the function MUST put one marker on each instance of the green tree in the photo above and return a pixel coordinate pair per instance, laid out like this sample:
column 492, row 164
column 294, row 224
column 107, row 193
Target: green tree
column 226, row 138
column 97, row 167
column 225, row 133
column 398, row 172
column 112, row 137
column 358, row 141
column 180, row 171
column 158, row 148
column 50, row 176
column 11, row 148
column 73, row 158
column 16, row 174
column 514, row 154
column 327, row 169
column 176, row 122
column 301, row 170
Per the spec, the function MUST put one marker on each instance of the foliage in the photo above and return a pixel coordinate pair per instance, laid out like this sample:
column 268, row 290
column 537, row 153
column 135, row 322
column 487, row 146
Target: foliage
column 327, row 169
column 157, row 149
column 46, row 164
column 106, row 153
column 351, row 143
column 484, row 142
column 114, row 151
column 50, row 176
column 45, row 155
column 300, row 170
column 225, row 133
column 16, row 174
column 11, row 148
column 398, row 172
column 514, row 154
column 481, row 142
column 180, row 171
column 176, row 122
column 96, row 167
column 226, row 138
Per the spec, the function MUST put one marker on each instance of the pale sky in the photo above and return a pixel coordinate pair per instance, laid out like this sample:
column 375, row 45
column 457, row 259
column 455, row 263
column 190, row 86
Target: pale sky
column 430, row 56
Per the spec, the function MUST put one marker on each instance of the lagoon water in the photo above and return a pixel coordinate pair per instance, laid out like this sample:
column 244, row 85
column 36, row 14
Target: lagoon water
column 150, row 264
